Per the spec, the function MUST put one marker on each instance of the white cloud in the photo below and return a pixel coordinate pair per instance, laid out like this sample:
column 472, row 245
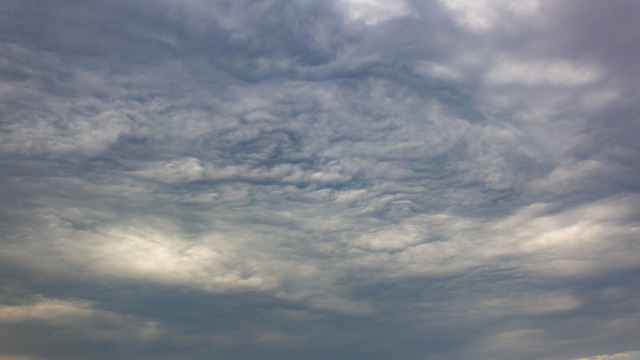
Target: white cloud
column 373, row 11
column 187, row 169
column 618, row 356
column 537, row 73
column 159, row 253
column 83, row 317
column 16, row 357
column 539, row 303
column 480, row 15
column 579, row 241
column 438, row 70
column 38, row 134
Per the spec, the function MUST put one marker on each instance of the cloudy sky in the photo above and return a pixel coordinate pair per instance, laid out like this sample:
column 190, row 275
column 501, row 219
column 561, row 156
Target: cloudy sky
column 339, row 179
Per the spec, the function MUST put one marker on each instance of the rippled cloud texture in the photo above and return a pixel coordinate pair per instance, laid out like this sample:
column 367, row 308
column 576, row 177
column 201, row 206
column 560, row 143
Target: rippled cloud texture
column 348, row 179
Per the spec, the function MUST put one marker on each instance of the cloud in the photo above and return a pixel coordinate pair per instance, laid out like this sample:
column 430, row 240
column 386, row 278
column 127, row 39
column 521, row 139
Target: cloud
column 483, row 15
column 70, row 314
column 373, row 11
column 188, row 169
column 66, row 322
column 546, row 73
column 631, row 355
column 299, row 179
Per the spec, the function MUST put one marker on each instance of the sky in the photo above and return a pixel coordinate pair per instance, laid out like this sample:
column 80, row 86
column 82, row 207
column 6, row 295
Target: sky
column 305, row 179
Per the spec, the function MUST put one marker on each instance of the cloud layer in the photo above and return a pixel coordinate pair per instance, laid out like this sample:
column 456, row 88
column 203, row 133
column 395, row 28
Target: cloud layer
column 302, row 179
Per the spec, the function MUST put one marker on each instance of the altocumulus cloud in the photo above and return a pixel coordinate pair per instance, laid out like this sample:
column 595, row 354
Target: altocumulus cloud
column 348, row 179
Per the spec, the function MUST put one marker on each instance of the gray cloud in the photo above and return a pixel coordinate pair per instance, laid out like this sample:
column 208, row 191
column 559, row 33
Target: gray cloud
column 350, row 179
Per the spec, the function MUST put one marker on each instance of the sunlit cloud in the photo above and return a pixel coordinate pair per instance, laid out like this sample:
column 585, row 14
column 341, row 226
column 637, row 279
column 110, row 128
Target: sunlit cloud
column 373, row 11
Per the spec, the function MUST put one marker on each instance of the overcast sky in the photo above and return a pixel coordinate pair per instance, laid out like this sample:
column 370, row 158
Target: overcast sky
column 320, row 179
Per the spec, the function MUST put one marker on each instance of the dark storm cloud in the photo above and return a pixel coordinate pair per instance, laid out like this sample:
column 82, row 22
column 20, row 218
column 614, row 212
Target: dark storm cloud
column 351, row 179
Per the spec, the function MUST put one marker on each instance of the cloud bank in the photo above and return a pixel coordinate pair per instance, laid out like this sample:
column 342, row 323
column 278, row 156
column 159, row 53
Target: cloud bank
column 303, row 179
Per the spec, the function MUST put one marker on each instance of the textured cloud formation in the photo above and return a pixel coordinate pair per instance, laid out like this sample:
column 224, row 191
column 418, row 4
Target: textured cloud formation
column 343, row 179
column 633, row 355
